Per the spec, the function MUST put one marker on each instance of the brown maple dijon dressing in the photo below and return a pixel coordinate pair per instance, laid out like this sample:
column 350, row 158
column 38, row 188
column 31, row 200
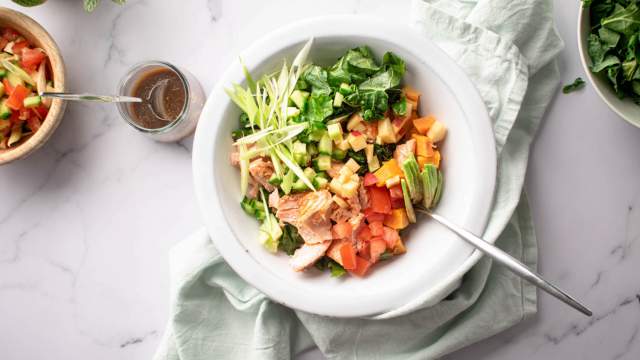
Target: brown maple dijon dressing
column 171, row 102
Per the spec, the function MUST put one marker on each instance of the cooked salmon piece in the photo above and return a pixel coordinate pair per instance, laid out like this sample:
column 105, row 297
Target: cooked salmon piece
column 309, row 212
column 262, row 170
column 403, row 151
column 252, row 190
column 363, row 196
column 274, row 199
column 307, row 255
column 234, row 158
column 288, row 208
column 339, row 214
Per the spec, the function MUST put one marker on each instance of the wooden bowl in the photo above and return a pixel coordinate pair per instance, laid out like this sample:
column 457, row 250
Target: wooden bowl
column 38, row 36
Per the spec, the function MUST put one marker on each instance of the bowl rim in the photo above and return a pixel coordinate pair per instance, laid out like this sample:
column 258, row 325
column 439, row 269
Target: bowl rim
column 204, row 149
column 54, row 116
column 585, row 60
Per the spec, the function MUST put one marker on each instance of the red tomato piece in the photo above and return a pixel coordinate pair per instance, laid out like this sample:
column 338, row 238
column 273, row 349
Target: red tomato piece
column 24, row 114
column 376, row 228
column 364, row 234
column 34, row 123
column 341, row 230
column 378, row 247
column 15, row 117
column 364, row 250
column 356, row 133
column 7, row 86
column 17, row 47
column 40, row 111
column 348, row 255
column 379, row 199
column 17, row 97
column 397, row 203
column 9, row 34
column 362, row 266
column 31, row 58
column 369, row 179
column 372, row 215
column 390, row 237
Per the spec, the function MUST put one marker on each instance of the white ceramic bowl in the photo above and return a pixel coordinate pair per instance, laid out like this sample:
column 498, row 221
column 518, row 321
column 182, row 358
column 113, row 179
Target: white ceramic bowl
column 436, row 260
column 625, row 108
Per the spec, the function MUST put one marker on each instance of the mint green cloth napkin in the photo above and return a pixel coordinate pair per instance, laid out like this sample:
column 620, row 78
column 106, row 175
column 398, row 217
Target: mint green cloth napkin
column 508, row 48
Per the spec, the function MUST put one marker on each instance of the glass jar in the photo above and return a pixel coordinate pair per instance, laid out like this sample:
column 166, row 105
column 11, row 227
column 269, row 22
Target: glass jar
column 186, row 120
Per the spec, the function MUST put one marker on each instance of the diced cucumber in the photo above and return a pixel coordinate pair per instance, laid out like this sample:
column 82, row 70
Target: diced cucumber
column 322, row 174
column 32, row 101
column 299, row 185
column 335, row 132
column 338, row 154
column 408, row 205
column 287, row 182
column 3, row 73
column 5, row 112
column 275, row 180
column 320, row 182
column 325, row 146
column 300, row 153
column 316, row 135
column 14, row 80
column 299, row 98
column 309, row 173
column 337, row 100
column 324, row 162
column 346, row 89
column 312, row 149
column 292, row 112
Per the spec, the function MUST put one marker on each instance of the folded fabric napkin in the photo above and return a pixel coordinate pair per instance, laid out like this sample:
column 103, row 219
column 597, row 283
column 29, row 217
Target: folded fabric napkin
column 508, row 48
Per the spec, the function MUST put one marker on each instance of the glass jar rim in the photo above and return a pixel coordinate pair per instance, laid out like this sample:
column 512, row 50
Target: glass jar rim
column 129, row 75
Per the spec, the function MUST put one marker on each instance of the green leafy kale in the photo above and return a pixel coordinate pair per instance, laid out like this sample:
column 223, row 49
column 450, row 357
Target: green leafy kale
column 612, row 45
column 290, row 240
column 316, row 77
column 327, row 263
column 361, row 158
column 577, row 84
column 319, row 107
column 400, row 107
column 384, row 152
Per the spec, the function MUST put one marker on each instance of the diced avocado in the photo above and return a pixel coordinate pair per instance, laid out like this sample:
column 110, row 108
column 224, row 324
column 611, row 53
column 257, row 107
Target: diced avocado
column 338, row 154
column 292, row 112
column 335, row 132
column 3, row 73
column 299, row 185
column 275, row 180
column 32, row 101
column 309, row 173
column 324, row 162
column 287, row 182
column 5, row 112
column 299, row 98
column 408, row 205
column 325, row 145
column 411, row 171
column 300, row 153
column 14, row 80
column 337, row 100
column 316, row 135
column 320, row 182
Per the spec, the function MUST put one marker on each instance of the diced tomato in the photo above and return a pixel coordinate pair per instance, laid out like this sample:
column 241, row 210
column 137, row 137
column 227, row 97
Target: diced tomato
column 15, row 117
column 396, row 192
column 40, row 111
column 378, row 247
column 34, row 123
column 3, row 43
column 391, row 237
column 397, row 204
column 17, row 47
column 362, row 266
column 7, row 86
column 17, row 97
column 365, row 250
column 372, row 215
column 31, row 58
column 348, row 255
column 370, row 179
column 379, row 199
column 24, row 114
column 364, row 234
column 376, row 228
column 341, row 230
column 10, row 34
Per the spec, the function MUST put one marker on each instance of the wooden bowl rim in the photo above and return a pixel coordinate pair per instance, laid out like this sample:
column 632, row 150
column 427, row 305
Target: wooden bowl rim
column 36, row 34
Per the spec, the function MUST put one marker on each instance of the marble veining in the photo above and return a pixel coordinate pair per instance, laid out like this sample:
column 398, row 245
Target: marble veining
column 86, row 223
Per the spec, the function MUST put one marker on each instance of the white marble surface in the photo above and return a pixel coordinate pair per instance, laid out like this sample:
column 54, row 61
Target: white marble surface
column 86, row 223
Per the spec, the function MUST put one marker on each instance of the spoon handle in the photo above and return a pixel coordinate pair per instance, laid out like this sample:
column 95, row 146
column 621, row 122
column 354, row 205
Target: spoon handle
column 510, row 262
column 90, row 97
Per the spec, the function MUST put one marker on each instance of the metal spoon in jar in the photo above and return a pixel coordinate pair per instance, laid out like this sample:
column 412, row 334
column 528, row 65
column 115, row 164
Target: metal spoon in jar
column 153, row 100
